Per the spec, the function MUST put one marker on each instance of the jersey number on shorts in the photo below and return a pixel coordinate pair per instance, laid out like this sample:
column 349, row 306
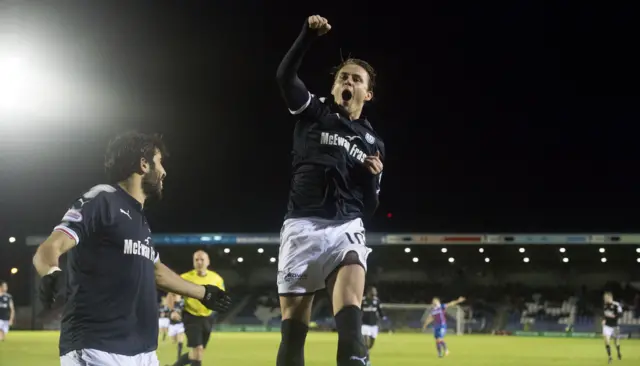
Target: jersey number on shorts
column 356, row 238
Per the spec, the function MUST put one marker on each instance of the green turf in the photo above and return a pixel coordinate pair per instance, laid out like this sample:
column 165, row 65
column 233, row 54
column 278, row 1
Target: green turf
column 259, row 349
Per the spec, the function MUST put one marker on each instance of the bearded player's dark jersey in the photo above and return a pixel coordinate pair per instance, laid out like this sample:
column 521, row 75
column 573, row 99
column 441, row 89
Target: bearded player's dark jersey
column 612, row 314
column 5, row 307
column 371, row 311
column 111, row 288
column 178, row 307
column 328, row 178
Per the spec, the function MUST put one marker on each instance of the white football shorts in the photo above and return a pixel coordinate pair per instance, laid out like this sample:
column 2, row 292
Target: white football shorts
column 370, row 330
column 4, row 326
column 94, row 357
column 609, row 332
column 175, row 329
column 163, row 323
column 312, row 248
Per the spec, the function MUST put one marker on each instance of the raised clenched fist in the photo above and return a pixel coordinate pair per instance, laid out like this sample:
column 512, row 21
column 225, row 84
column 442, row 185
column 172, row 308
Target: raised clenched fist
column 320, row 24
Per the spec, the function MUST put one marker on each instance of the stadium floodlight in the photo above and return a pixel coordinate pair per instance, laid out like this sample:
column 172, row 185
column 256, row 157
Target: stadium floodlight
column 601, row 250
column 443, row 250
column 525, row 259
column 481, row 250
column 521, row 250
column 240, row 260
column 272, row 260
column 638, row 250
column 562, row 250
column 415, row 259
column 603, row 260
column 487, row 260
column 12, row 240
column 227, row 250
column 407, row 250
column 14, row 270
column 451, row 260
column 260, row 250
column 565, row 260
column 638, row 260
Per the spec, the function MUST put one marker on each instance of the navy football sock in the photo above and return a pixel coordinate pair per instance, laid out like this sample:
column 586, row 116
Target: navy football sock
column 291, row 351
column 351, row 348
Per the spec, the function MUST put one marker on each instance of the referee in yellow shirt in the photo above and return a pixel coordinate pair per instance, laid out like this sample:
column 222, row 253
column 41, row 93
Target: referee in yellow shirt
column 197, row 319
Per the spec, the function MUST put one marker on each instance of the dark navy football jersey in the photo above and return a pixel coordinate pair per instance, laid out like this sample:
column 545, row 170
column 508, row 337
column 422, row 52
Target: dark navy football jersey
column 111, row 288
column 612, row 314
column 178, row 307
column 5, row 307
column 328, row 178
column 371, row 311
column 164, row 311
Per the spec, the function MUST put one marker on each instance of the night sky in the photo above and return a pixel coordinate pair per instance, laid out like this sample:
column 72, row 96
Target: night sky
column 511, row 117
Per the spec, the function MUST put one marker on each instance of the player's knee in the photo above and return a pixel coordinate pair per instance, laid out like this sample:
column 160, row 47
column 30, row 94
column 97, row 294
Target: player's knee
column 346, row 285
column 296, row 307
column 294, row 335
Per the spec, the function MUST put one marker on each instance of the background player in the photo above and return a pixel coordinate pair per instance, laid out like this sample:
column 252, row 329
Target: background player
column 610, row 327
column 7, row 310
column 175, row 305
column 163, row 320
column 439, row 317
column 371, row 314
column 113, row 271
column 337, row 166
column 198, row 319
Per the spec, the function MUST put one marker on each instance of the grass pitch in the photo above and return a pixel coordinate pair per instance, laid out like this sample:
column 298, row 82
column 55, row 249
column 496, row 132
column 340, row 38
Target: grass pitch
column 259, row 349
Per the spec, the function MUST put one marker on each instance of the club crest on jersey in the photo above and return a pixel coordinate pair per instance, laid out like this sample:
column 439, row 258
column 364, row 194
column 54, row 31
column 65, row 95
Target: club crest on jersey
column 370, row 139
column 348, row 143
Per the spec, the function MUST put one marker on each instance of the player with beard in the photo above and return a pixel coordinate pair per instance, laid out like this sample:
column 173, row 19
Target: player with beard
column 336, row 171
column 610, row 326
column 7, row 310
column 110, row 315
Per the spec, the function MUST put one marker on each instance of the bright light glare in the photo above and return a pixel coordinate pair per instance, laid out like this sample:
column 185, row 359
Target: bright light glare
column 15, row 82
column 521, row 250
column 603, row 260
column 562, row 250
column 227, row 250
column 481, row 250
column 565, row 259
column 443, row 250
column 487, row 260
column 638, row 260
column 601, row 250
column 240, row 260
column 638, row 250
column 12, row 240
column 407, row 250
column 415, row 259
column 272, row 260
column 260, row 250
column 451, row 260
column 525, row 259
column 14, row 270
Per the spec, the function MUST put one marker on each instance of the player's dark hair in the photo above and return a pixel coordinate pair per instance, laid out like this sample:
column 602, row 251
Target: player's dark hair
column 125, row 151
column 364, row 64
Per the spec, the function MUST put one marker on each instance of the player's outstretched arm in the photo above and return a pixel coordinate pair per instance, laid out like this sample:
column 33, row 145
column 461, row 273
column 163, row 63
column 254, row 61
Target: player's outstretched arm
column 293, row 90
column 427, row 321
column 212, row 297
column 456, row 302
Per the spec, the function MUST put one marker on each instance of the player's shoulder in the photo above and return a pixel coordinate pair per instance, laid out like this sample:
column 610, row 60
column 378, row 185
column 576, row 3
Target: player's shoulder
column 97, row 194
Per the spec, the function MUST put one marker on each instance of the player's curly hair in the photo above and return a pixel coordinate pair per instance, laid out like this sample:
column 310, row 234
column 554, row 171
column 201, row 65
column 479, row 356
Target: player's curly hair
column 364, row 64
column 125, row 151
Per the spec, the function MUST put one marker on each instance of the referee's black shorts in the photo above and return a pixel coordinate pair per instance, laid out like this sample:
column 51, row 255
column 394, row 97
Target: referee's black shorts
column 197, row 329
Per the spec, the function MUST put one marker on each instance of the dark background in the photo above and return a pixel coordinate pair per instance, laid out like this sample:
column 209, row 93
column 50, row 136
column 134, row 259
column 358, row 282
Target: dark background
column 504, row 117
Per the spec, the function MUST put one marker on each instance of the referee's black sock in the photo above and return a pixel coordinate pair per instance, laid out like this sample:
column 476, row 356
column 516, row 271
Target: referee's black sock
column 291, row 351
column 351, row 348
column 183, row 360
column 196, row 363
column 179, row 349
column 608, row 347
column 618, row 349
